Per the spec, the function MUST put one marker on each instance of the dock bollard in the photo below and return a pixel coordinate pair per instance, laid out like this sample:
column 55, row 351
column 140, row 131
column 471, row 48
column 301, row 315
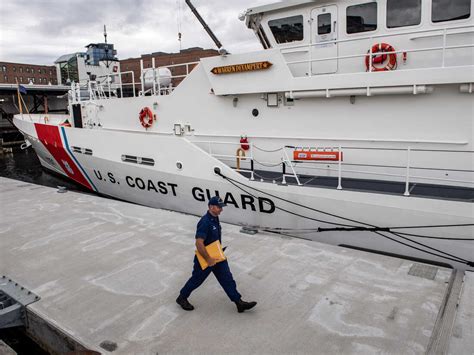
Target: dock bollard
column 62, row 189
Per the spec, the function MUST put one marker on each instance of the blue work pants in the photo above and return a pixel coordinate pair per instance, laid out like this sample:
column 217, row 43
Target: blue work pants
column 221, row 272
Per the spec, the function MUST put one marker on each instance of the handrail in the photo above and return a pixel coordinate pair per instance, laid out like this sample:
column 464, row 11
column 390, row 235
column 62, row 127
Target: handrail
column 178, row 65
column 119, row 74
column 444, row 32
column 385, row 53
column 341, row 169
column 377, row 36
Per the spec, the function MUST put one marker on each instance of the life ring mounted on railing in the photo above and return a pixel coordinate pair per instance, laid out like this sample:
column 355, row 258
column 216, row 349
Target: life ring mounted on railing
column 386, row 51
column 146, row 117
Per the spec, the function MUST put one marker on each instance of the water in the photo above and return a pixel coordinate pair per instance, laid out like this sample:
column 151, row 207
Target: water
column 16, row 339
column 24, row 165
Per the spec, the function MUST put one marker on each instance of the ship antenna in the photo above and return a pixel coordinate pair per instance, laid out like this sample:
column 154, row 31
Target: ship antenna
column 106, row 48
column 206, row 27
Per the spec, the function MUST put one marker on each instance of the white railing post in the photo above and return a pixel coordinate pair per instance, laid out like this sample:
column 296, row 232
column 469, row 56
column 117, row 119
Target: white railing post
column 108, row 84
column 91, row 94
column 73, row 93
column 133, row 84
column 444, row 48
column 121, row 85
column 339, row 174
column 78, row 92
column 407, row 182
column 251, row 162
column 292, row 168
column 371, row 59
column 159, row 85
column 142, row 77
column 154, row 75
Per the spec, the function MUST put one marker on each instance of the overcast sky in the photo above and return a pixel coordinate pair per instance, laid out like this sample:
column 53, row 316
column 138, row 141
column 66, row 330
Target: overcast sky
column 40, row 31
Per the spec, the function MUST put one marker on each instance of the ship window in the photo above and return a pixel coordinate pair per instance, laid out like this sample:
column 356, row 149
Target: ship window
column 361, row 18
column 450, row 10
column 288, row 29
column 401, row 13
column 324, row 24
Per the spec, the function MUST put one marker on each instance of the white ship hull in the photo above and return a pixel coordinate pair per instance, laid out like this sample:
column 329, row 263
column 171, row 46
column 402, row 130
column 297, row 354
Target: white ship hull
column 188, row 190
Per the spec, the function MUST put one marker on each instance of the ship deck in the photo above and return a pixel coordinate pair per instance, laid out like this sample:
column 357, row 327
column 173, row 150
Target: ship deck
column 455, row 193
column 108, row 273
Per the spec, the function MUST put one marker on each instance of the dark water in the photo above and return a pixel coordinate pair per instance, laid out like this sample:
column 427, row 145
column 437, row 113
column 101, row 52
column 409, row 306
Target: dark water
column 24, row 165
column 16, row 339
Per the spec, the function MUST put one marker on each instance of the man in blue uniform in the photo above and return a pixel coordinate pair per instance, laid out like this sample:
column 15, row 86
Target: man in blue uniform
column 208, row 231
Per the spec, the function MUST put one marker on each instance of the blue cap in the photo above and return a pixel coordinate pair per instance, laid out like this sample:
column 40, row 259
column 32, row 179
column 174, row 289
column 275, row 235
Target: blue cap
column 216, row 201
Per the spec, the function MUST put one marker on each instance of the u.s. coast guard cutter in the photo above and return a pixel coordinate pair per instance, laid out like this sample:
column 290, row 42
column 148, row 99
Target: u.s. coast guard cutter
column 353, row 126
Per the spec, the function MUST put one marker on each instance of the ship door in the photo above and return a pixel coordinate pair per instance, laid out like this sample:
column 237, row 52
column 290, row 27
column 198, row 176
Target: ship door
column 323, row 31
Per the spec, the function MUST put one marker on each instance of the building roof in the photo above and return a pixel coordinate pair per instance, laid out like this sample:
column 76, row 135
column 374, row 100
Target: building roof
column 66, row 57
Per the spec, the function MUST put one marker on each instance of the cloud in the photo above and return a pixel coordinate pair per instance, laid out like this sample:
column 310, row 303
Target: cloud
column 39, row 32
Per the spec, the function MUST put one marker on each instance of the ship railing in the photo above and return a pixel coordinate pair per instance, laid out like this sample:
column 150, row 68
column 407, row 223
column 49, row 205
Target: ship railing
column 177, row 78
column 142, row 87
column 406, row 169
column 103, row 87
column 444, row 32
column 238, row 157
column 108, row 86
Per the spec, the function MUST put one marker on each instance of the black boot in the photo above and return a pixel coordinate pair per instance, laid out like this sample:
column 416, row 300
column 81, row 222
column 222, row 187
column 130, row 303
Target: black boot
column 243, row 306
column 183, row 302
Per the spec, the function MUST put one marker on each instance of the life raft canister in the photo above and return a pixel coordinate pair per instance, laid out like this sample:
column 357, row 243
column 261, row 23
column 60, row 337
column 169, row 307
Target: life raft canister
column 244, row 143
column 146, row 117
column 380, row 59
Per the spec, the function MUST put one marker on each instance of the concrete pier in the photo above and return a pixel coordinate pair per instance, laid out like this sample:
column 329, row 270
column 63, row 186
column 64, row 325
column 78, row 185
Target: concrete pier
column 108, row 273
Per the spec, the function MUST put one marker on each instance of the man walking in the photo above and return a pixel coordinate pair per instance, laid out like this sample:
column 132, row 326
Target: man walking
column 208, row 231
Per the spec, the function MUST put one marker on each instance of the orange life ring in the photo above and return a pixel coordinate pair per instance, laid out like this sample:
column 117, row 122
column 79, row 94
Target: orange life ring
column 380, row 59
column 146, row 117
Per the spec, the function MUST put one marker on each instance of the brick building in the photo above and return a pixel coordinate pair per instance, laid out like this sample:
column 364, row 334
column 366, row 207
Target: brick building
column 26, row 73
column 45, row 74
column 164, row 59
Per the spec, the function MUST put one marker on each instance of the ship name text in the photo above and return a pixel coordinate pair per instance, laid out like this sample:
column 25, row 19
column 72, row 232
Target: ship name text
column 241, row 201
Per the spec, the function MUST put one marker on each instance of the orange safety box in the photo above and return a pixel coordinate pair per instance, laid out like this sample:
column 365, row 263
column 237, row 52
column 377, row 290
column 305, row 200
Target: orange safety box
column 317, row 155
